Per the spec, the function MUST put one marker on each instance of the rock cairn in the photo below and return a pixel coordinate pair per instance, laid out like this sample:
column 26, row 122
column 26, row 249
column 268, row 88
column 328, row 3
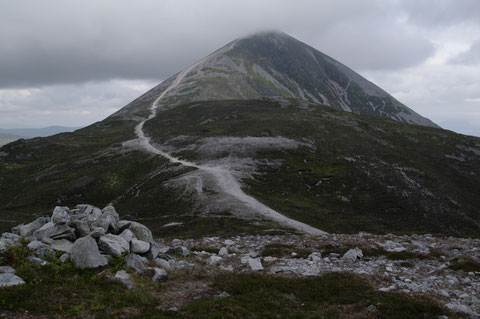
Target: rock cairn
column 89, row 236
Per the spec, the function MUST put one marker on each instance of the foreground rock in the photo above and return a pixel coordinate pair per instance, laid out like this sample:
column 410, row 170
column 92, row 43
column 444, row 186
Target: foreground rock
column 9, row 279
column 85, row 254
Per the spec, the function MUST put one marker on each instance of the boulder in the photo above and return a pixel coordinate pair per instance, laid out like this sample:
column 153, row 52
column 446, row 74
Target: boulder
column 63, row 258
column 35, row 245
column 353, row 255
column 37, row 261
column 7, row 270
column 62, row 245
column 113, row 245
column 139, row 246
column 61, row 215
column 127, row 235
column 9, row 279
column 223, row 252
column 159, row 275
column 124, row 278
column 123, row 224
column 141, row 232
column 315, row 257
column 28, row 229
column 97, row 232
column 255, row 264
column 162, row 263
column 107, row 220
column 85, row 253
column 81, row 226
column 136, row 262
column 179, row 251
column 213, row 260
column 156, row 249
column 55, row 231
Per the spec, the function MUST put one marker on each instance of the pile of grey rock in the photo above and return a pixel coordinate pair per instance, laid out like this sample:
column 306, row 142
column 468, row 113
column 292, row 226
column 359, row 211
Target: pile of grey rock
column 91, row 237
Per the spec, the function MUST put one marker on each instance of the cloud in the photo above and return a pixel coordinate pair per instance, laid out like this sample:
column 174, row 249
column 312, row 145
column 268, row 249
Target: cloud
column 54, row 41
column 67, row 104
column 471, row 56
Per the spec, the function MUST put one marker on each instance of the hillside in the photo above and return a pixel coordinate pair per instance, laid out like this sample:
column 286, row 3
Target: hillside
column 335, row 170
column 273, row 64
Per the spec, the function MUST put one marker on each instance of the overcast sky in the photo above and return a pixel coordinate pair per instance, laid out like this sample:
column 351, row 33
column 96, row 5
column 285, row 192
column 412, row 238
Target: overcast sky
column 71, row 63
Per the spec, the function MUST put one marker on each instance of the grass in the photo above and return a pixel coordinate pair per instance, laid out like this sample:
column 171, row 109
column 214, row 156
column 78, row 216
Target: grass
column 466, row 265
column 348, row 179
column 334, row 295
column 284, row 250
column 59, row 290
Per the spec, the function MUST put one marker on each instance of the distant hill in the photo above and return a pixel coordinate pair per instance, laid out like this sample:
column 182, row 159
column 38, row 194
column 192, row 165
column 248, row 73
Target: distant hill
column 38, row 132
column 7, row 138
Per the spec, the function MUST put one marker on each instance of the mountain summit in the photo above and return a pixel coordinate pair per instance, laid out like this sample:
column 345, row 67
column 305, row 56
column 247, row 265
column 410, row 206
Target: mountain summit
column 274, row 64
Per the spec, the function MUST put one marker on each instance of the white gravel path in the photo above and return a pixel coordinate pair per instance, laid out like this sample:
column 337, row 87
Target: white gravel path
column 224, row 178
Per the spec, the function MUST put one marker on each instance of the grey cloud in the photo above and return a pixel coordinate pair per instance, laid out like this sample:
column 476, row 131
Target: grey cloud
column 472, row 56
column 55, row 41
column 439, row 13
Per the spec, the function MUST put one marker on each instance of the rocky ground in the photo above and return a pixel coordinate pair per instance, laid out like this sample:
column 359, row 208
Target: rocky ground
column 446, row 269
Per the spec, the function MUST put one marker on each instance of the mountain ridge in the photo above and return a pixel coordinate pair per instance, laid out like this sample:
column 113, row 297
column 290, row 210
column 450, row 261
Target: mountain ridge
column 274, row 64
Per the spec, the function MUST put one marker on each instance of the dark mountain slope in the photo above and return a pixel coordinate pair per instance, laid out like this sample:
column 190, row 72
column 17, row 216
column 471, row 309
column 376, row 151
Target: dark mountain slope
column 349, row 172
column 271, row 64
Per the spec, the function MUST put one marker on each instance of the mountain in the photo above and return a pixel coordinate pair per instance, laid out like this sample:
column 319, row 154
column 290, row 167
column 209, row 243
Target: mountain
column 189, row 160
column 271, row 64
column 38, row 132
column 7, row 138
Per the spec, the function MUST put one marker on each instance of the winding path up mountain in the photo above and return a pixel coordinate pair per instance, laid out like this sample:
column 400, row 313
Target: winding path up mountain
column 224, row 178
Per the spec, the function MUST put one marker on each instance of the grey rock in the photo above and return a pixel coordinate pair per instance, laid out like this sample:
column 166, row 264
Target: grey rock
column 179, row 251
column 213, row 260
column 229, row 242
column 37, row 261
column 113, row 245
column 46, row 251
column 127, row 235
column 61, row 215
column 156, row 249
column 107, row 220
column 136, row 262
column 8, row 279
column 141, row 232
column 63, row 258
column 123, row 224
column 315, row 257
column 81, row 227
column 162, row 263
column 223, row 252
column 139, row 246
column 85, row 253
column 13, row 237
column 97, row 232
column 124, row 278
column 35, row 245
column 55, row 231
column 353, row 255
column 28, row 229
column 159, row 275
column 47, row 241
column 62, row 245
column 7, row 270
column 255, row 264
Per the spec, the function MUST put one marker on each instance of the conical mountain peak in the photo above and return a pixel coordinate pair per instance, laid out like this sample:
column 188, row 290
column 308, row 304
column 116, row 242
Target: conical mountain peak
column 274, row 64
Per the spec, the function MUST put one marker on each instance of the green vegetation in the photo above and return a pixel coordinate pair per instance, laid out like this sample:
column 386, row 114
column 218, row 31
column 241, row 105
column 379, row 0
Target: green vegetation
column 466, row 264
column 59, row 290
column 352, row 173
column 284, row 250
column 335, row 295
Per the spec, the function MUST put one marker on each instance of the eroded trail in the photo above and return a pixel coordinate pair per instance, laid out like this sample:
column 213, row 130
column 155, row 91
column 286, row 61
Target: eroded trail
column 223, row 176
